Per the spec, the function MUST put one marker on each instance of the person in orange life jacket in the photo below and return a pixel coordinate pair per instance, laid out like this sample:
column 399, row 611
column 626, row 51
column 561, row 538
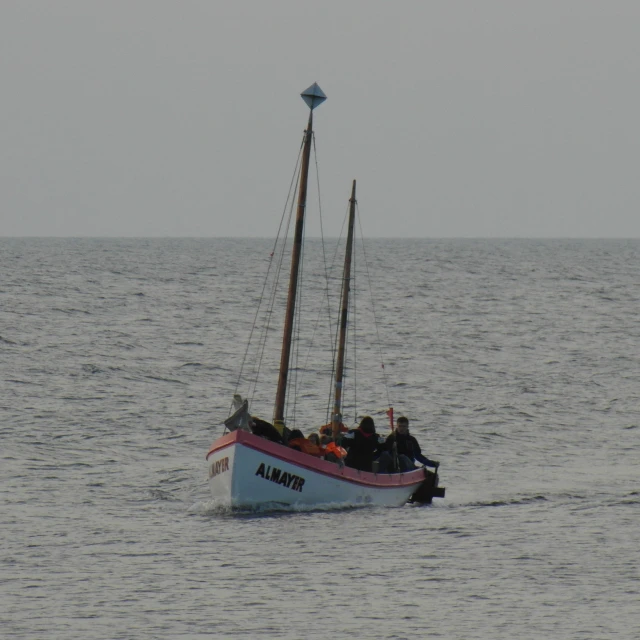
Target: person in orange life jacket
column 326, row 432
column 327, row 429
column 362, row 445
column 407, row 448
column 298, row 442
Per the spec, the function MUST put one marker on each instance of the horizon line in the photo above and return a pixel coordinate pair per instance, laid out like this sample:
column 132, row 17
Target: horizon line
column 168, row 237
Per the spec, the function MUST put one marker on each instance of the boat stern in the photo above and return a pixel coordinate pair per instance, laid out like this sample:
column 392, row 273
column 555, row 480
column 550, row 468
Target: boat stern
column 428, row 490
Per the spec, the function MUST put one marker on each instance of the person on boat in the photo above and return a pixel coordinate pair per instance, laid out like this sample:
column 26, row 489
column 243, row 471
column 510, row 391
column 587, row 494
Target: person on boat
column 327, row 429
column 265, row 429
column 402, row 450
column 334, row 452
column 298, row 442
column 362, row 445
column 294, row 439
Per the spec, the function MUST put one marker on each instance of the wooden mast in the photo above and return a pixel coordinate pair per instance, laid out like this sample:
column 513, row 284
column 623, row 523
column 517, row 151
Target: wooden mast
column 313, row 96
column 344, row 312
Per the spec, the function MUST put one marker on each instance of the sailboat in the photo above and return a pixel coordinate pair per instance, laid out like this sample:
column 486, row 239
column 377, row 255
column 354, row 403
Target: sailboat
column 248, row 470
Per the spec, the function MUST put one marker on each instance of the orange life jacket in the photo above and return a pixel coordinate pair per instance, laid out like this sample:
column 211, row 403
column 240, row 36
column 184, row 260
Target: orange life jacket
column 306, row 446
column 332, row 447
column 327, row 429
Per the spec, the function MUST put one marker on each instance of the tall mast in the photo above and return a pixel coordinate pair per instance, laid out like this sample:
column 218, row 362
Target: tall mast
column 313, row 96
column 344, row 312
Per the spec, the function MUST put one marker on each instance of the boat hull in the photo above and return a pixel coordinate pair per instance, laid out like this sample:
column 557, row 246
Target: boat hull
column 247, row 471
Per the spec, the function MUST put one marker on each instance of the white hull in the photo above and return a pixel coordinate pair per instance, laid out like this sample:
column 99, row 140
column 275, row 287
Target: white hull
column 247, row 471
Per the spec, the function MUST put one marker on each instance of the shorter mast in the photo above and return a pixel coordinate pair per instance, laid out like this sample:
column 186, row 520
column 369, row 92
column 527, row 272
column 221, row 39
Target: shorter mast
column 313, row 96
column 336, row 418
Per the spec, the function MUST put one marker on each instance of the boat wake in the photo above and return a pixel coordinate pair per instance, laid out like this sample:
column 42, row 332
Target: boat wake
column 215, row 508
column 523, row 500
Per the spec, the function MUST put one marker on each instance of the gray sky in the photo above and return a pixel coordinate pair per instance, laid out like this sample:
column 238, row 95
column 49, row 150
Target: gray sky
column 470, row 118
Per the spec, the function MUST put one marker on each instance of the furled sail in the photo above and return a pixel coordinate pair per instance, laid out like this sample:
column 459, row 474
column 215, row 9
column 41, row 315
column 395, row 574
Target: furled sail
column 239, row 419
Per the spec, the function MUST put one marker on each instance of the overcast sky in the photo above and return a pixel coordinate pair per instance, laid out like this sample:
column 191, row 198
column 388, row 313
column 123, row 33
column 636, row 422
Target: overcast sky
column 183, row 118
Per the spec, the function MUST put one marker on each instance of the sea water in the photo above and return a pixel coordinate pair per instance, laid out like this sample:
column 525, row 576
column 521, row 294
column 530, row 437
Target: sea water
column 517, row 361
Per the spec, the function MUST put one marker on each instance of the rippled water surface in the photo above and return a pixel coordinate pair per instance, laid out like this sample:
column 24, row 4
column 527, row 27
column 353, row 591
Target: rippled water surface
column 518, row 362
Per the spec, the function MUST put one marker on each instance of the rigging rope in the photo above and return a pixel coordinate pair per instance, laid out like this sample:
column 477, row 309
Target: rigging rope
column 292, row 184
column 375, row 319
column 274, row 271
column 269, row 314
column 355, row 351
column 334, row 339
column 292, row 387
column 327, row 270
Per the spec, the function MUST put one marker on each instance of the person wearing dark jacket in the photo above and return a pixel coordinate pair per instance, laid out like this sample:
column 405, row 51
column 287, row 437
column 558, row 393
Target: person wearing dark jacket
column 362, row 445
column 406, row 448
